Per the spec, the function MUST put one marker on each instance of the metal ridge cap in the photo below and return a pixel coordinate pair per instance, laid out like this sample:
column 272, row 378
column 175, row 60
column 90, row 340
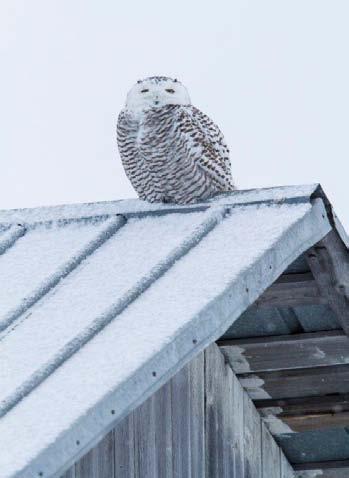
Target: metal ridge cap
column 138, row 208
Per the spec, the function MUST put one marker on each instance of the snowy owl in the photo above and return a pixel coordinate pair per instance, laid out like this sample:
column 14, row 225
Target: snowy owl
column 171, row 151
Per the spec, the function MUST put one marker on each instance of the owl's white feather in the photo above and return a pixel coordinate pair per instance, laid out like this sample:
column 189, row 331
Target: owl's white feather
column 171, row 151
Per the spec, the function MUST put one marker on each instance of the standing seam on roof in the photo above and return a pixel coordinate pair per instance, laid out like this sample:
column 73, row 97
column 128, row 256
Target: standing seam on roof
column 215, row 216
column 112, row 226
column 11, row 236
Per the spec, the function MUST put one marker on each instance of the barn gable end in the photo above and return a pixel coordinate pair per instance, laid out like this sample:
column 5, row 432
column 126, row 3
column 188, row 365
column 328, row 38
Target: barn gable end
column 199, row 424
column 103, row 305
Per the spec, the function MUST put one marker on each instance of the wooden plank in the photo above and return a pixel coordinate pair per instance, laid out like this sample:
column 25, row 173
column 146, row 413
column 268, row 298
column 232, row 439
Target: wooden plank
column 144, row 434
column 99, row 462
column 163, row 430
column 297, row 383
column 69, row 473
column 124, row 448
column 308, row 413
column 220, row 456
column 329, row 263
column 307, row 405
column 330, row 473
column 322, row 465
column 314, row 413
column 197, row 416
column 181, row 423
column 287, row 351
column 252, row 440
column 214, row 380
column 270, row 456
column 237, row 406
column 291, row 290
column 304, row 423
column 286, row 469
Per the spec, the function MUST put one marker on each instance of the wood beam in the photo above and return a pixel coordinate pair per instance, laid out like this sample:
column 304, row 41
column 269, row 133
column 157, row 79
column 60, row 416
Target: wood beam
column 294, row 383
column 308, row 405
column 286, row 351
column 321, row 465
column 306, row 414
column 329, row 262
column 291, row 290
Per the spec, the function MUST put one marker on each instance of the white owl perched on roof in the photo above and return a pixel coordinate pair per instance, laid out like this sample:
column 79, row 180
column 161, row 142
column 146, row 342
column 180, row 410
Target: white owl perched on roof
column 171, row 151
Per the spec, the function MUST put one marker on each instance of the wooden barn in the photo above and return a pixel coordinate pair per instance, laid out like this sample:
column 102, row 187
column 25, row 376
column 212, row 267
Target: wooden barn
column 159, row 341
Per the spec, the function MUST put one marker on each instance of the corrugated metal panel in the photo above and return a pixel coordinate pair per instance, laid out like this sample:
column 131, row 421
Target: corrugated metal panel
column 36, row 256
column 106, row 331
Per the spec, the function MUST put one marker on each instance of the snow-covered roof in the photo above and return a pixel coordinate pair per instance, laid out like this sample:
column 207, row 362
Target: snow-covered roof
column 100, row 304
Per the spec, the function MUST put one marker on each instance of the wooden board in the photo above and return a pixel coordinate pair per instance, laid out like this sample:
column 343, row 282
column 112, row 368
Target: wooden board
column 271, row 467
column 306, row 414
column 252, row 440
column 297, row 383
column 329, row 263
column 220, row 455
column 124, row 448
column 70, row 473
column 287, row 351
column 323, row 465
column 286, row 469
column 181, row 422
column 163, row 430
column 144, row 440
column 99, row 462
column 307, row 405
column 291, row 290
column 237, row 412
column 197, row 416
column 334, row 473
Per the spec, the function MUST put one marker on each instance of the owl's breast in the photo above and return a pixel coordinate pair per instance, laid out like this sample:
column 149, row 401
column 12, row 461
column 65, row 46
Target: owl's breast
column 155, row 135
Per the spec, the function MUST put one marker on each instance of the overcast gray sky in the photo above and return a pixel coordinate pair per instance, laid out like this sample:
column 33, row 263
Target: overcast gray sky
column 273, row 74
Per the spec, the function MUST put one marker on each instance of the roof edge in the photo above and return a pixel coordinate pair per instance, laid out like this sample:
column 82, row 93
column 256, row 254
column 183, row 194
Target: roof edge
column 207, row 326
column 333, row 218
column 137, row 207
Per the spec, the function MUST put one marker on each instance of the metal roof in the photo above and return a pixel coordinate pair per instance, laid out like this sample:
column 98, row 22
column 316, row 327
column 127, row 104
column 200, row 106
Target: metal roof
column 100, row 304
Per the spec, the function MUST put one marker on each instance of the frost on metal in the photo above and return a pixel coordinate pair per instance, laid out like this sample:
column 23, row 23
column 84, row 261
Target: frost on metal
column 94, row 298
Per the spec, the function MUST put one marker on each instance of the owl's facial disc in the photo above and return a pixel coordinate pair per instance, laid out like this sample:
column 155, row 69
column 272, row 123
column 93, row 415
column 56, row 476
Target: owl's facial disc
column 156, row 92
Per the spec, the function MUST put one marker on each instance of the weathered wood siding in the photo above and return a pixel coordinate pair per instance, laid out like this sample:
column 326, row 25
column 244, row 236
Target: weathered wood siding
column 201, row 424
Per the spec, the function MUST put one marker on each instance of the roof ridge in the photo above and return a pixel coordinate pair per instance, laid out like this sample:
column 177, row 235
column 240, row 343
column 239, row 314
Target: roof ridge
column 137, row 207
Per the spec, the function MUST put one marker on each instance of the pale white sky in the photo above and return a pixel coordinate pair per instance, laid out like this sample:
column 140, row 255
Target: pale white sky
column 273, row 74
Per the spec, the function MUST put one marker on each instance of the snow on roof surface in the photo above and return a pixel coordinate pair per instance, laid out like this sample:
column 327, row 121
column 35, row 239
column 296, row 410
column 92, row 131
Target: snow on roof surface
column 95, row 298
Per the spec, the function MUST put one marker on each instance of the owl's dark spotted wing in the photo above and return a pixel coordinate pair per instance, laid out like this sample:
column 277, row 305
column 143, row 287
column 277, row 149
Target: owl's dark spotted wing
column 206, row 146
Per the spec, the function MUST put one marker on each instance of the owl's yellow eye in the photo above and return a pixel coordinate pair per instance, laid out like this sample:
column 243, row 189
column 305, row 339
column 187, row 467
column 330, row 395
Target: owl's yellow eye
column 170, row 90
column 145, row 90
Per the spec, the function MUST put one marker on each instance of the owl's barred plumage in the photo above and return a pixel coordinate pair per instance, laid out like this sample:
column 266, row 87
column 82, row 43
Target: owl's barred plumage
column 171, row 151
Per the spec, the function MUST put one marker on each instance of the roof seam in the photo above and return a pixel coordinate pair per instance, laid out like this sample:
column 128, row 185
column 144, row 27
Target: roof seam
column 113, row 225
column 11, row 236
column 215, row 216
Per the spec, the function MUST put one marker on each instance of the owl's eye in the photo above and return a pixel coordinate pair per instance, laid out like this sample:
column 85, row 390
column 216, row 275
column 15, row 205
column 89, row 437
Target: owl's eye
column 170, row 90
column 145, row 90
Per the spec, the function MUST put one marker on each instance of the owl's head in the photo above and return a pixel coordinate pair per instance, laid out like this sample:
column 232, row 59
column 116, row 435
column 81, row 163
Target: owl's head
column 155, row 92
